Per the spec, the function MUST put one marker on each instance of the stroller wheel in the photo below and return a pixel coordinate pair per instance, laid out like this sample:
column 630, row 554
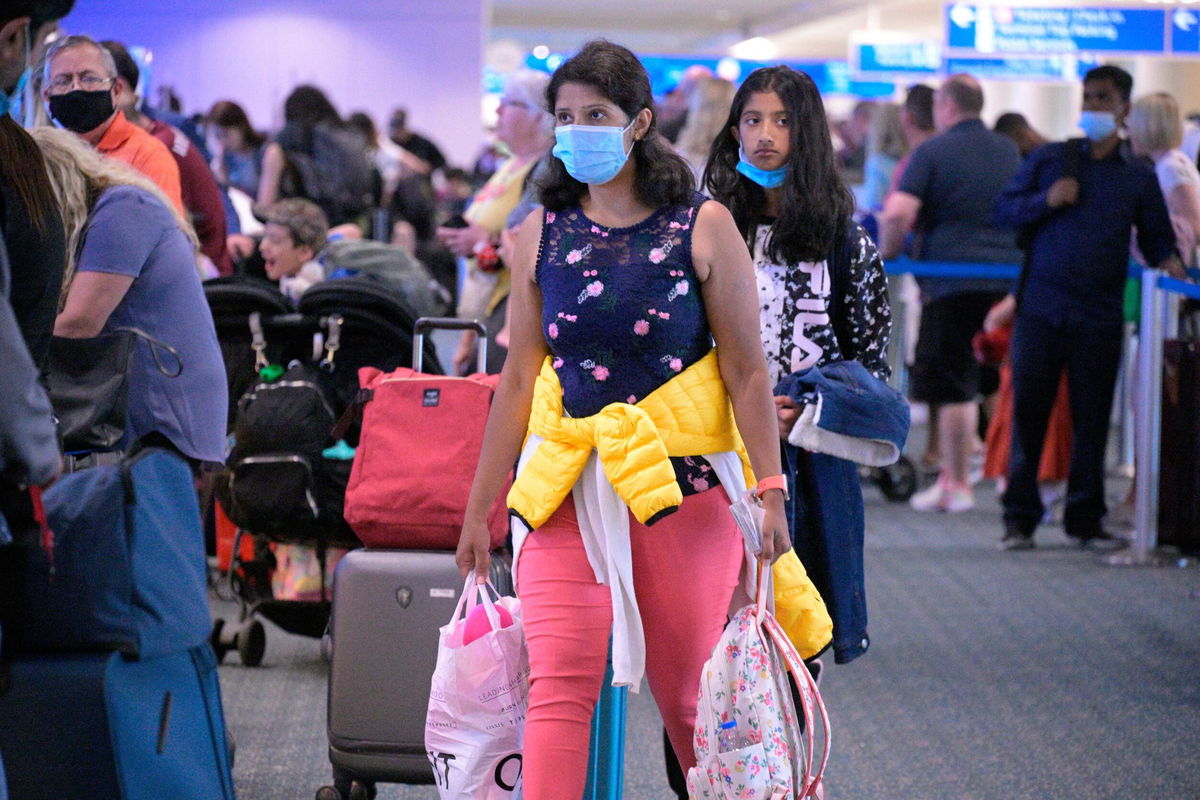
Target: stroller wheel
column 898, row 482
column 329, row 793
column 362, row 791
column 219, row 645
column 252, row 643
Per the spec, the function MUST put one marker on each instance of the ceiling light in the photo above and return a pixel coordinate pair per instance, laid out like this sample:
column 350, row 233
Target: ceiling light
column 729, row 69
column 755, row 49
column 541, row 52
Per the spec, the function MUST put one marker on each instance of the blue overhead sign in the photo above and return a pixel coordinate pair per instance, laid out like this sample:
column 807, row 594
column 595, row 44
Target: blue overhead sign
column 1021, row 68
column 914, row 59
column 1002, row 30
column 1185, row 32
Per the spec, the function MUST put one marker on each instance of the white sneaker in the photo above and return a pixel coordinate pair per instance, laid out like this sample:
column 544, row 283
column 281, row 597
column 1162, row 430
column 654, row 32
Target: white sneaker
column 930, row 498
column 975, row 468
column 958, row 498
column 942, row 496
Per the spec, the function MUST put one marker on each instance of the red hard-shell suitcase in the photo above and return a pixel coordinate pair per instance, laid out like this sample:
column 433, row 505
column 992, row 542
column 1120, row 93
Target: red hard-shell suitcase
column 416, row 458
column 387, row 608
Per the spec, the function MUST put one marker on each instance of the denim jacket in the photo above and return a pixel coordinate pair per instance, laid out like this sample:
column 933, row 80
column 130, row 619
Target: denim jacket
column 850, row 414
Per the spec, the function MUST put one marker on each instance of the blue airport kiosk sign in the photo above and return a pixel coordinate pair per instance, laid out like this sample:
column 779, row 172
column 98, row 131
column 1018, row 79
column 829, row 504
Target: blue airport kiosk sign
column 1032, row 30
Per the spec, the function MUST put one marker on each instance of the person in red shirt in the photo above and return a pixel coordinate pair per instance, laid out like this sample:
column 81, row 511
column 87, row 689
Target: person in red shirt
column 201, row 195
column 80, row 94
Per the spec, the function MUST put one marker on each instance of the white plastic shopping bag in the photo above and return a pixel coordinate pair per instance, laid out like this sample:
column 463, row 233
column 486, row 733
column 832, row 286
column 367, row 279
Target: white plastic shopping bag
column 476, row 721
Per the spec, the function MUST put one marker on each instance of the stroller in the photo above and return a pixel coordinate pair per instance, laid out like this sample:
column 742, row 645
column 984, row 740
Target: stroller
column 897, row 481
column 293, row 373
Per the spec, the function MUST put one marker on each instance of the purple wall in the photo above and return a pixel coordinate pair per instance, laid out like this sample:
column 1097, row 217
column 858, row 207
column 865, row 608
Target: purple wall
column 371, row 55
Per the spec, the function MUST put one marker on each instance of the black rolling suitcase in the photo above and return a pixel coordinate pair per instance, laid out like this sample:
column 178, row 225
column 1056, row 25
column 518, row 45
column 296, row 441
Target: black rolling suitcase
column 387, row 608
column 1179, row 472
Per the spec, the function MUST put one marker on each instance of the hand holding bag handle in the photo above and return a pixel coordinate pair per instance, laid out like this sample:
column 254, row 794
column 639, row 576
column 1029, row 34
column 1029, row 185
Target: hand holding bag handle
column 807, row 686
column 472, row 591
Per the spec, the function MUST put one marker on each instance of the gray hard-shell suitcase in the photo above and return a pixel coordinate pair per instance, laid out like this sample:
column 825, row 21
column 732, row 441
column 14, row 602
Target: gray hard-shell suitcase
column 387, row 608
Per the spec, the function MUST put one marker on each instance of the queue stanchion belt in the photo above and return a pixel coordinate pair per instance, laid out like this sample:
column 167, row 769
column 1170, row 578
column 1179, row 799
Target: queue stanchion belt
column 935, row 269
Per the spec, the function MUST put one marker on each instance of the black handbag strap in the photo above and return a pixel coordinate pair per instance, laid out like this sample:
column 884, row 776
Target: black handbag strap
column 155, row 346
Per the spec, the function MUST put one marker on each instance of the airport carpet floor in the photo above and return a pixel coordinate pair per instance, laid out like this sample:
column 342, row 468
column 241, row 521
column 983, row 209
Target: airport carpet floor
column 1044, row 674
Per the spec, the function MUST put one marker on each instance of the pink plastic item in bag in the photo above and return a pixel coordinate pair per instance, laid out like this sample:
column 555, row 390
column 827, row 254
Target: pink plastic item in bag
column 477, row 622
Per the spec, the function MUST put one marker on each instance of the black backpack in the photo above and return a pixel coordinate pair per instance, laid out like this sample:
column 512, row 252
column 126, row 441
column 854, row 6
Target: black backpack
column 336, row 173
column 839, row 261
column 277, row 480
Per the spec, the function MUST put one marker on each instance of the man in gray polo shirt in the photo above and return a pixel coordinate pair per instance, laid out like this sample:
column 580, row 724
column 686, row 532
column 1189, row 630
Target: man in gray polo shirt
column 947, row 195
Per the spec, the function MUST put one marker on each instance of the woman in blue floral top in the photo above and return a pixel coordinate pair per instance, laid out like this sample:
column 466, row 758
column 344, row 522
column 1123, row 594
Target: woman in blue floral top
column 622, row 284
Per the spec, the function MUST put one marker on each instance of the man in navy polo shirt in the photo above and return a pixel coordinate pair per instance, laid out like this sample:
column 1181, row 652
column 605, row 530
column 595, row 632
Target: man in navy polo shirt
column 947, row 195
column 1069, row 312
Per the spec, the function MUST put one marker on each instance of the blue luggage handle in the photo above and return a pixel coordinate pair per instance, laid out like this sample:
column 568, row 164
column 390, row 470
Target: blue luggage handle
column 606, row 753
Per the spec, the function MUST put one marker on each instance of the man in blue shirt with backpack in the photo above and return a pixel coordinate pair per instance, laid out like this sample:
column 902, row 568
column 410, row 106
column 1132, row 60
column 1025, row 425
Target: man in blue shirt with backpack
column 1069, row 312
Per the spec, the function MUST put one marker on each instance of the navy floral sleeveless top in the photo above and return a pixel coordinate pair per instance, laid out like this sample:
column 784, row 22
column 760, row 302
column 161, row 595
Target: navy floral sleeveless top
column 622, row 311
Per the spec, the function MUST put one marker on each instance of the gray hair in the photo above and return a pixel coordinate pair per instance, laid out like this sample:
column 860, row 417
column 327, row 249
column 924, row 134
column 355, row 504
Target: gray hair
column 78, row 40
column 529, row 86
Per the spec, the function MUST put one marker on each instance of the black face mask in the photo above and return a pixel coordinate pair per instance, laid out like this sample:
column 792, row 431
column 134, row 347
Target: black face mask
column 81, row 111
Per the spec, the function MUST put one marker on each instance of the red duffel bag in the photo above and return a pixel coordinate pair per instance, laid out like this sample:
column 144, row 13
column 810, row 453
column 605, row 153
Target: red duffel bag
column 416, row 458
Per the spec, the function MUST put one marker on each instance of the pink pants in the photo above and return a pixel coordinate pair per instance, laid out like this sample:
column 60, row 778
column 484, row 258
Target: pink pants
column 685, row 568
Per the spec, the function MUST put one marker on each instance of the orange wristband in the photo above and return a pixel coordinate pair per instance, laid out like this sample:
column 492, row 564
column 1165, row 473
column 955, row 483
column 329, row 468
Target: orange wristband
column 774, row 482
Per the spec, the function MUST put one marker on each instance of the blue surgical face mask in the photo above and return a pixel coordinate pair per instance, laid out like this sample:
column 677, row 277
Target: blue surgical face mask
column 592, row 153
column 1097, row 125
column 766, row 178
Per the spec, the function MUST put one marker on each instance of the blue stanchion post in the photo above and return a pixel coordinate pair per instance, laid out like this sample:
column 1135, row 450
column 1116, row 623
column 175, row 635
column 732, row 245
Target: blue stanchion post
column 606, row 759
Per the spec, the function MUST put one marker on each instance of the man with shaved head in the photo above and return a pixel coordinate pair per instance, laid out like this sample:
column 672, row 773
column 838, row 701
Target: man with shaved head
column 947, row 195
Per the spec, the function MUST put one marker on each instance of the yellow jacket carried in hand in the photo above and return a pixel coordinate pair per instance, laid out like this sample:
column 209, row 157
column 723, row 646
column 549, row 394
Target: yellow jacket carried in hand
column 799, row 608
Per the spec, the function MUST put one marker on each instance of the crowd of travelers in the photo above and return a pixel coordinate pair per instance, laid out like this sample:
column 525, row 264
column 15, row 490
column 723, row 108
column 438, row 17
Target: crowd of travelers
column 606, row 248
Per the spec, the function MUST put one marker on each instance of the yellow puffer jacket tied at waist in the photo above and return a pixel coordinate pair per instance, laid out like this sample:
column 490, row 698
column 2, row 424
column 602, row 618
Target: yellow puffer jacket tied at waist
column 688, row 415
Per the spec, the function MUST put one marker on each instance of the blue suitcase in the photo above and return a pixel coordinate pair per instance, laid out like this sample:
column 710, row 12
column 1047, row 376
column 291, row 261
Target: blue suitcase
column 113, row 686
column 84, row 726
column 126, row 571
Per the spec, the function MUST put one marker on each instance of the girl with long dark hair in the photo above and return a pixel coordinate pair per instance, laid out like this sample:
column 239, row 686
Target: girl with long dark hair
column 623, row 415
column 822, row 298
